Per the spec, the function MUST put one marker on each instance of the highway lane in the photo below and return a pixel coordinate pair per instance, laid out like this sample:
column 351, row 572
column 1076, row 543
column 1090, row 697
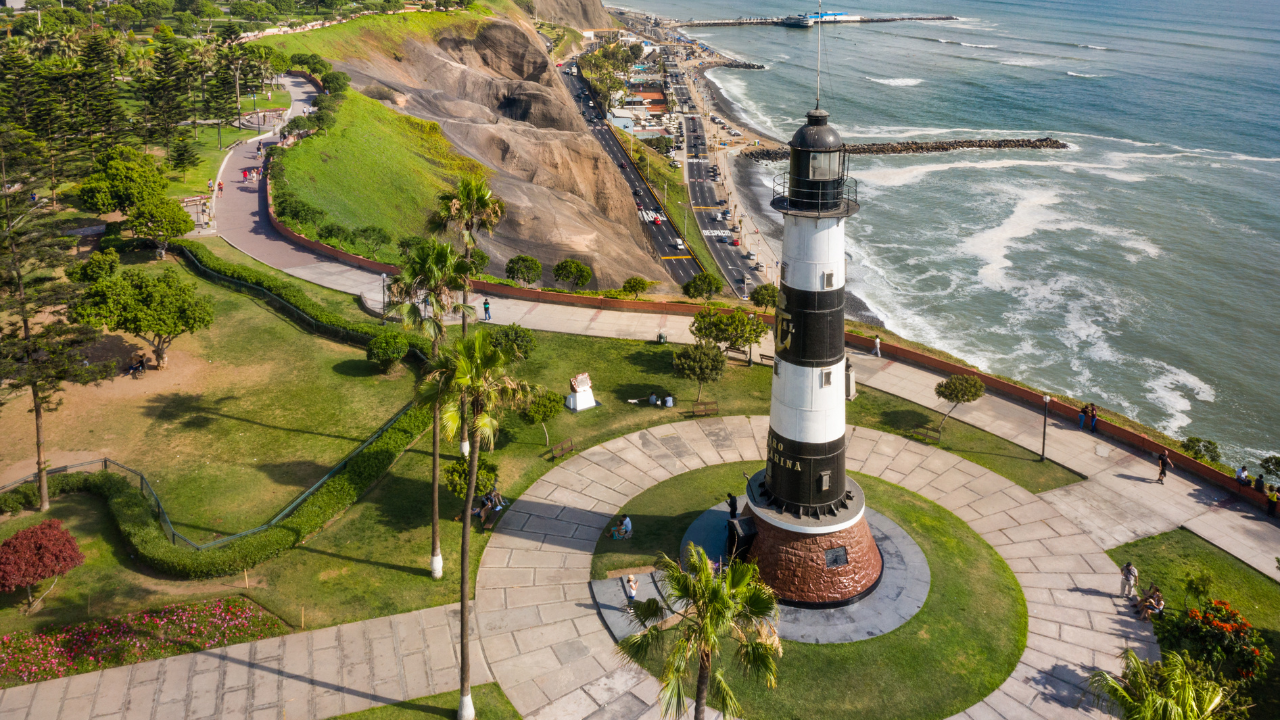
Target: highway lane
column 701, row 172
column 676, row 258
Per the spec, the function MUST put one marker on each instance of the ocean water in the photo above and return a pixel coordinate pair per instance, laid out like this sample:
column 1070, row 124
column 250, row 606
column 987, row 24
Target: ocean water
column 1139, row 269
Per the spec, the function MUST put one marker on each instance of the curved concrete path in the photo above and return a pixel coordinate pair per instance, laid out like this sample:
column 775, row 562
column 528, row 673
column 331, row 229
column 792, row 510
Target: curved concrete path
column 548, row 649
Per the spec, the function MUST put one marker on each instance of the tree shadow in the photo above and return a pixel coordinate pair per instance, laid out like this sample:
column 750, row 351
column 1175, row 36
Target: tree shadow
column 415, row 571
column 299, row 473
column 113, row 347
column 905, row 420
column 357, row 368
column 195, row 412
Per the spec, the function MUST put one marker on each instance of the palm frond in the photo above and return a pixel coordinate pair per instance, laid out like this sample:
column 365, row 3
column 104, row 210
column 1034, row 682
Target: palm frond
column 721, row 694
column 647, row 612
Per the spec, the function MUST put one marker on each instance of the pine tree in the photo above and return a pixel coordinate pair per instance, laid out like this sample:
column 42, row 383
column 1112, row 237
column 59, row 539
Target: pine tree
column 103, row 121
column 166, row 96
column 51, row 124
column 183, row 156
column 16, row 88
column 219, row 99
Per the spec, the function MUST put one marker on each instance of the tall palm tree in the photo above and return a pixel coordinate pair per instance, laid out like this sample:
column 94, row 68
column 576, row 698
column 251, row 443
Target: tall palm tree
column 480, row 390
column 427, row 280
column 472, row 205
column 1166, row 690
column 712, row 604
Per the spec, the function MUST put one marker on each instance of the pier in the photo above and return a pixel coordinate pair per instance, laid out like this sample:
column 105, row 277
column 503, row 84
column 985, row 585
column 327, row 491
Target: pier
column 801, row 21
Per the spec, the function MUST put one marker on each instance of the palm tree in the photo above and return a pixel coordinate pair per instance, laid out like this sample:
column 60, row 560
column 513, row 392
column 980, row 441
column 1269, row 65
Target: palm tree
column 429, row 276
column 472, row 205
column 712, row 604
column 480, row 390
column 1166, row 690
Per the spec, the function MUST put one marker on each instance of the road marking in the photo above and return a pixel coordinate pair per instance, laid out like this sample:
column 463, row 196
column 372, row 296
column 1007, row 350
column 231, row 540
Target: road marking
column 679, row 257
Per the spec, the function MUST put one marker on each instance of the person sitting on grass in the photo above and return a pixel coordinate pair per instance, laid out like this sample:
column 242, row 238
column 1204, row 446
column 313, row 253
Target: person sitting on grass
column 137, row 361
column 1154, row 605
column 1152, row 591
column 669, row 401
column 622, row 531
column 653, row 398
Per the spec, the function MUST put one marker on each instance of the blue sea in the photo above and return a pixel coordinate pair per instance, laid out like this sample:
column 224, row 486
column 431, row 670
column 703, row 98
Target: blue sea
column 1140, row 269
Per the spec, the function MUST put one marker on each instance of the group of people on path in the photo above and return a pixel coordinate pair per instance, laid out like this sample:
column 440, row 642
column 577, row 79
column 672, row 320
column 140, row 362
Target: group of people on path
column 1272, row 492
column 1150, row 603
column 1089, row 416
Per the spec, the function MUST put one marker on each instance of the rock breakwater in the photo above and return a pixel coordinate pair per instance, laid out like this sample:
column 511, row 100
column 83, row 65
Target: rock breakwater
column 908, row 148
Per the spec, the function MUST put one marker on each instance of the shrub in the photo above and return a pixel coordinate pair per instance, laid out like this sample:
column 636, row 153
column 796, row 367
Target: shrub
column 37, row 554
column 635, row 285
column 291, row 207
column 1219, row 635
column 387, row 350
column 335, row 81
column 1202, row 450
column 516, row 342
column 958, row 389
column 454, row 476
column 545, row 406
column 703, row 285
column 101, row 264
column 765, row 296
column 334, row 234
column 572, row 272
column 524, row 269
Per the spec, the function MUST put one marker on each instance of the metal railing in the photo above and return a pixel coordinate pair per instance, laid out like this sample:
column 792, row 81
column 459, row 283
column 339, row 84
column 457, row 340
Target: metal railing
column 819, row 202
column 304, row 321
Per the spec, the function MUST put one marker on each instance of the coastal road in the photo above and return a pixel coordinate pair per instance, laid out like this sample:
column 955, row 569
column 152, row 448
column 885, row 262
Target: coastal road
column 733, row 260
column 679, row 263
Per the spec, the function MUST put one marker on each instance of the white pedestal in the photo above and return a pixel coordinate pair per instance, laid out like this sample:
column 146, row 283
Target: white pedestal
column 580, row 400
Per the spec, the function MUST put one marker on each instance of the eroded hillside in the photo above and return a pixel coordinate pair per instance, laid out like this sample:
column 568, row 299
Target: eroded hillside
column 499, row 99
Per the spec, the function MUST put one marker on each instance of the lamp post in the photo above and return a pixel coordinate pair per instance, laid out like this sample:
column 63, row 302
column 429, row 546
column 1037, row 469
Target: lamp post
column 384, row 298
column 1044, row 437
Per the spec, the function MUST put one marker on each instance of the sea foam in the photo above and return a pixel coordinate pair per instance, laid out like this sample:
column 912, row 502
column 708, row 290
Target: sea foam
column 897, row 82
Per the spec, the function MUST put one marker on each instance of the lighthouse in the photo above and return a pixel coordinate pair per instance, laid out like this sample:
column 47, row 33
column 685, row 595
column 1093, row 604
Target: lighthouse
column 813, row 545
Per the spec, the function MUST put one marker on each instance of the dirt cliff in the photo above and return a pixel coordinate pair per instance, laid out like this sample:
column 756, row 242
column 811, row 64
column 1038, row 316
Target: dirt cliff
column 579, row 14
column 499, row 99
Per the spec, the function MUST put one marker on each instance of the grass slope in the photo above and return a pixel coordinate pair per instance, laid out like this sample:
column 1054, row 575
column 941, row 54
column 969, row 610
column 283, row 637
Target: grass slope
column 383, row 34
column 375, row 167
column 960, row 647
column 1167, row 558
column 889, row 413
column 490, row 702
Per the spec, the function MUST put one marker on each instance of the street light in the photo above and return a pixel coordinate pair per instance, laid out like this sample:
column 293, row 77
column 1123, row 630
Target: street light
column 1044, row 438
column 384, row 298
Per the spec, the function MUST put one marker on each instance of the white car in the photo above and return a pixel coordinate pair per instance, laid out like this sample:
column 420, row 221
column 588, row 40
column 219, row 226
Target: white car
column 591, row 103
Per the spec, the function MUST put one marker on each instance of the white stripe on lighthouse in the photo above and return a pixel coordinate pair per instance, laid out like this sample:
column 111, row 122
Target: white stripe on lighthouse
column 801, row 409
column 811, row 248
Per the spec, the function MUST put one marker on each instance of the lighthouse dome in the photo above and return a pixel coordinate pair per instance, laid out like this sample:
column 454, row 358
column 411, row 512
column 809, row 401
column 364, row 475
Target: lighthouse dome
column 816, row 134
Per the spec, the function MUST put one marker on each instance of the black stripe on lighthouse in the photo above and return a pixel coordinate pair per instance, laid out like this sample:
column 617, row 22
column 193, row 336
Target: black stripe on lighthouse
column 809, row 331
column 805, row 473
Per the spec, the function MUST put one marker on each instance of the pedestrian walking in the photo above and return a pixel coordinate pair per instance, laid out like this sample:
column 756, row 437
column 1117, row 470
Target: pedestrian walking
column 1128, row 579
column 733, row 506
column 211, row 186
column 877, row 350
column 487, row 316
column 219, row 188
column 1165, row 464
column 244, row 176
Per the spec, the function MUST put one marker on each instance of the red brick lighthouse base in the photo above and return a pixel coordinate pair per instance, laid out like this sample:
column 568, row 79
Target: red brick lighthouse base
column 806, row 570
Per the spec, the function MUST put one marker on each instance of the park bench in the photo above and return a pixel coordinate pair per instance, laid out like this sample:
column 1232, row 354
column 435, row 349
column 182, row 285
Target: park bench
column 563, row 448
column 735, row 351
column 703, row 409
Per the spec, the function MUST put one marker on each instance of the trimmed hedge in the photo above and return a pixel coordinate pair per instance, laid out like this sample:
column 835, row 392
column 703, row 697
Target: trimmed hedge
column 138, row 523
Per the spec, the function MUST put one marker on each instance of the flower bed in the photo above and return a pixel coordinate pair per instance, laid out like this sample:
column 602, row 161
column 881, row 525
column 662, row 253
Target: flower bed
column 46, row 654
column 1219, row 635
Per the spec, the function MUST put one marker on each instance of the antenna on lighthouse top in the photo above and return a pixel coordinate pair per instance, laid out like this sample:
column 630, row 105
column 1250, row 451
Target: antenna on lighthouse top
column 818, row 98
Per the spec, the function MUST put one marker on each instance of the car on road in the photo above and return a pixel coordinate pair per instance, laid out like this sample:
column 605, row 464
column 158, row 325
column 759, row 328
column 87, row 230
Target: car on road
column 622, row 165
column 657, row 220
column 591, row 103
column 736, row 242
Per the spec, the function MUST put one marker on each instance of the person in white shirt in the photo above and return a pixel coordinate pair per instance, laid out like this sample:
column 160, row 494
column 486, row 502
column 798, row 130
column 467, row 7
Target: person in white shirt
column 632, row 587
column 877, row 350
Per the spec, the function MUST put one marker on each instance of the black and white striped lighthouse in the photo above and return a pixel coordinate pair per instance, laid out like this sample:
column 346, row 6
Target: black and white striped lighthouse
column 813, row 545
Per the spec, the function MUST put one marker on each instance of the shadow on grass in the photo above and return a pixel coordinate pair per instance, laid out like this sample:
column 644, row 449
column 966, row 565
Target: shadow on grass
column 905, row 420
column 194, row 412
column 357, row 368
column 418, row 572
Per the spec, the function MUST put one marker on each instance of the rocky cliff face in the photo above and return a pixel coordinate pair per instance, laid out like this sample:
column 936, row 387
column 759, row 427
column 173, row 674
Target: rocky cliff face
column 580, row 14
column 499, row 99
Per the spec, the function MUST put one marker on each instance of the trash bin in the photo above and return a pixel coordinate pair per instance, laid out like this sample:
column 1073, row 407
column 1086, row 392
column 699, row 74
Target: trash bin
column 662, row 338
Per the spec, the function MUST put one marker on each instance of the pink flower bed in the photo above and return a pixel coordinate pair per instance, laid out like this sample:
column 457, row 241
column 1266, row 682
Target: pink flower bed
column 34, row 656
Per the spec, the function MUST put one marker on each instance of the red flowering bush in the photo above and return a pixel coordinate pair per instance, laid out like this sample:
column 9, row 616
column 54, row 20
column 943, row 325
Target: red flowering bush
column 1219, row 635
column 35, row 554
column 33, row 656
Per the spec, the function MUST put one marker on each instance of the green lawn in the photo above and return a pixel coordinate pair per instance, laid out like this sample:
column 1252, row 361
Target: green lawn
column 335, row 301
column 251, row 412
column 1168, row 558
column 960, row 647
column 383, row 34
column 663, row 513
column 663, row 178
column 889, row 413
column 375, row 167
column 490, row 704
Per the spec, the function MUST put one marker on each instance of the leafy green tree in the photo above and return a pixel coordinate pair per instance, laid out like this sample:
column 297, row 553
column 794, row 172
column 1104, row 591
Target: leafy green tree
column 424, row 292
column 702, row 362
column 188, row 25
column 707, row 325
column 742, row 330
column 335, row 81
column 155, row 309
column 524, row 269
column 471, row 206
column 481, row 390
column 515, row 342
column 713, row 605
column 703, row 285
column 637, row 285
column 572, row 272
column 207, row 10
column 123, row 178
column 1197, row 585
column 1157, row 691
column 546, row 405
column 122, row 16
column 161, row 219
column 958, row 389
column 101, row 264
column 39, row 350
column 1202, row 450
column 387, row 349
column 764, row 296
column 1270, row 465
column 374, row 237
column 183, row 156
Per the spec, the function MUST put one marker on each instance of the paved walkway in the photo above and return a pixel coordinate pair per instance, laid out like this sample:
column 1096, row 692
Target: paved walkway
column 554, row 658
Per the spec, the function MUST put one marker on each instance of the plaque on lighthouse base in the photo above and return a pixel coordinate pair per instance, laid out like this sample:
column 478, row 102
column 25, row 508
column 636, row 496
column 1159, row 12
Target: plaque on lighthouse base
column 822, row 561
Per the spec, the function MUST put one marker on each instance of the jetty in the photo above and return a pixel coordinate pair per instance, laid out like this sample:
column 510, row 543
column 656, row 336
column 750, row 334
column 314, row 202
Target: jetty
column 912, row 147
column 802, row 21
